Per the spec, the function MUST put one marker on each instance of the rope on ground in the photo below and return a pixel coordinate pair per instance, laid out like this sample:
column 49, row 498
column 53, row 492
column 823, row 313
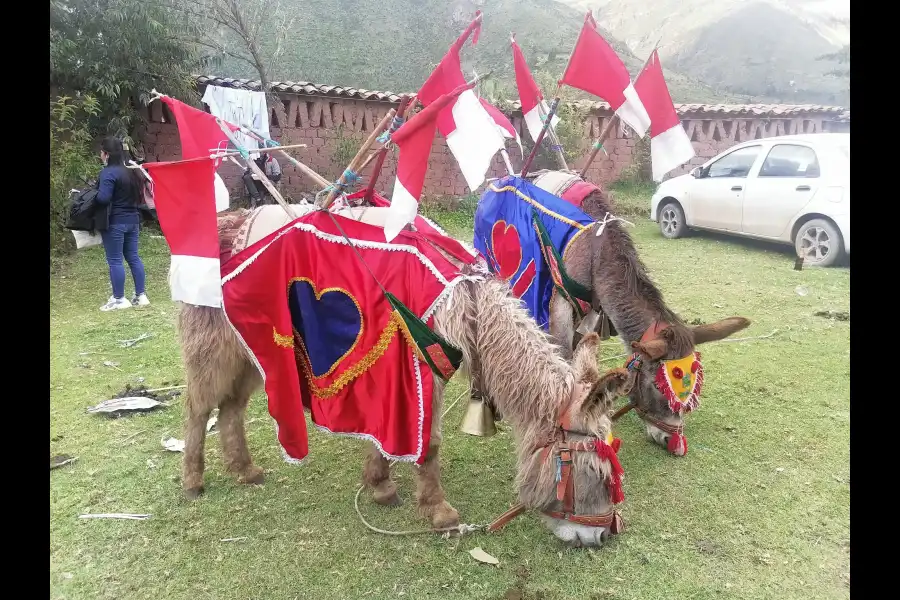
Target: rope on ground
column 461, row 529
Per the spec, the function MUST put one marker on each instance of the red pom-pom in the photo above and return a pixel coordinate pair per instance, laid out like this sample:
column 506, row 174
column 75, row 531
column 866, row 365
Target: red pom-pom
column 677, row 444
column 677, row 373
column 694, row 366
column 616, row 444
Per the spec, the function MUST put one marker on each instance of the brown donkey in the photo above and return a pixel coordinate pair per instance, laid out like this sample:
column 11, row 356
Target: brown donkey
column 558, row 410
column 608, row 265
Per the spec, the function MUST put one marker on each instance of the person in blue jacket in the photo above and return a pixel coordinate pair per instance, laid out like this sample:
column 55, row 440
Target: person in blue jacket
column 119, row 190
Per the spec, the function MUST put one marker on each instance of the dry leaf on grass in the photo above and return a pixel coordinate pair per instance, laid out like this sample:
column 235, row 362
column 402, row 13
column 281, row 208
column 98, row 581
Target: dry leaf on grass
column 483, row 557
column 173, row 445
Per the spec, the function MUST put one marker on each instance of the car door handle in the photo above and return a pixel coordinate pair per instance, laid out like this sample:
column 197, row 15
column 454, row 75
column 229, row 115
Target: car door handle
column 802, row 188
column 736, row 188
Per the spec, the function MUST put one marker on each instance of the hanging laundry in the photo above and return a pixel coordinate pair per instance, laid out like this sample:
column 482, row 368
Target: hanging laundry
column 241, row 107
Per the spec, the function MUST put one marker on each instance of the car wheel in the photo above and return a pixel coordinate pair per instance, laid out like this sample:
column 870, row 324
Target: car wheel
column 671, row 221
column 818, row 242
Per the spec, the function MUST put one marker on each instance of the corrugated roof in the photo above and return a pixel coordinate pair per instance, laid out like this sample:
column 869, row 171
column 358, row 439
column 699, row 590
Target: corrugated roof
column 334, row 91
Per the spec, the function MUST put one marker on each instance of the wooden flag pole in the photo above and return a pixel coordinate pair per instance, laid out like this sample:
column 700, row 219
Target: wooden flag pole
column 598, row 145
column 251, row 164
column 553, row 137
column 303, row 168
column 354, row 164
column 407, row 105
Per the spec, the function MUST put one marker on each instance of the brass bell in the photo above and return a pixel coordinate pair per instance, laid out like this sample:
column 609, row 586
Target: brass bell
column 479, row 419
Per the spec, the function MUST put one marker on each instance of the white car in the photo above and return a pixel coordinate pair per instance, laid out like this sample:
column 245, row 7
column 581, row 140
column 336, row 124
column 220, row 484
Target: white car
column 793, row 189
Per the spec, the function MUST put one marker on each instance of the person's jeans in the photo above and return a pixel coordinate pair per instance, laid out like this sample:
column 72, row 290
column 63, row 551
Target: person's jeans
column 121, row 241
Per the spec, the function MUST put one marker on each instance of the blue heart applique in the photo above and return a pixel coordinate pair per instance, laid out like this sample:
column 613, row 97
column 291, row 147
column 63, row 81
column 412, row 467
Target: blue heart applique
column 328, row 322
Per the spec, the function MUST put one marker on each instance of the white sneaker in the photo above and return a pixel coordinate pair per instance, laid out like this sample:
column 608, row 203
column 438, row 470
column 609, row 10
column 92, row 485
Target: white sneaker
column 115, row 304
column 141, row 300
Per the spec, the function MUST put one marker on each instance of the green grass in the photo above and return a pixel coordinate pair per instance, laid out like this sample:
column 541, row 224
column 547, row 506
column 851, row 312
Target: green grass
column 758, row 509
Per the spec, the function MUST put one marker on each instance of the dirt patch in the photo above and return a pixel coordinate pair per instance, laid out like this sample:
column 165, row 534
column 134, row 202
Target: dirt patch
column 708, row 547
column 834, row 315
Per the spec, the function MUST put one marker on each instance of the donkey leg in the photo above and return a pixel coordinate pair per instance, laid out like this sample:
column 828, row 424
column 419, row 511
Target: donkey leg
column 432, row 504
column 562, row 325
column 232, row 413
column 377, row 477
column 197, row 409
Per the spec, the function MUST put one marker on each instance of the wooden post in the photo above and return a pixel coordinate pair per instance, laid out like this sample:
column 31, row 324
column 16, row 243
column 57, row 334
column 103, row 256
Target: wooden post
column 251, row 164
column 599, row 143
column 537, row 142
column 407, row 105
column 303, row 168
column 354, row 164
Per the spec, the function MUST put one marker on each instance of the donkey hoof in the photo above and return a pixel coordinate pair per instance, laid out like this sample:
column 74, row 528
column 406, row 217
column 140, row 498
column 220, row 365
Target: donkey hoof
column 385, row 494
column 443, row 515
column 193, row 493
column 252, row 476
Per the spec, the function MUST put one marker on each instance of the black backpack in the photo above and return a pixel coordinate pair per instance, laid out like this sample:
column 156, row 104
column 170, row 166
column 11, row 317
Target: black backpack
column 85, row 214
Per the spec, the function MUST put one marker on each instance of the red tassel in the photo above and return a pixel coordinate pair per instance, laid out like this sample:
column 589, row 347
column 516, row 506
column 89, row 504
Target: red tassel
column 617, row 443
column 678, row 444
column 607, row 452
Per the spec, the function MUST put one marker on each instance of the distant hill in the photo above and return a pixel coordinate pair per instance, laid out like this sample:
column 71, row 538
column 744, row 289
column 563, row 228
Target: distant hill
column 756, row 48
column 394, row 44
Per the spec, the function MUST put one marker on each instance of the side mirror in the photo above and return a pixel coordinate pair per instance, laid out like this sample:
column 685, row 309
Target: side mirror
column 697, row 172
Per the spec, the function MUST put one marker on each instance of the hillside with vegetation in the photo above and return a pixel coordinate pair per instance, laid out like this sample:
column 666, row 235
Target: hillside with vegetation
column 395, row 44
column 753, row 48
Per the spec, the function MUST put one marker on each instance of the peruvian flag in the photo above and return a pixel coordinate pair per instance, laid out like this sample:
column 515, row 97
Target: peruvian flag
column 413, row 140
column 596, row 68
column 670, row 145
column 198, row 130
column 199, row 133
column 533, row 106
column 185, row 204
column 473, row 136
column 503, row 124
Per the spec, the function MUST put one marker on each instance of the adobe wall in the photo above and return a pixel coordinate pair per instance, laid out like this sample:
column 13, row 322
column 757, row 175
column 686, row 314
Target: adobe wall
column 334, row 127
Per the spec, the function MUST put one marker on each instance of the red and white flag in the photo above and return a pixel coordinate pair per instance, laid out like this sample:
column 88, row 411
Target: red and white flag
column 199, row 133
column 473, row 136
column 596, row 68
column 534, row 108
column 185, row 204
column 504, row 125
column 670, row 145
column 414, row 140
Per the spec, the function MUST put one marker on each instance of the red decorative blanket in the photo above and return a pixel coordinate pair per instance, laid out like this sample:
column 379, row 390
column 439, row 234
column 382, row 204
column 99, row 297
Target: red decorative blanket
column 325, row 337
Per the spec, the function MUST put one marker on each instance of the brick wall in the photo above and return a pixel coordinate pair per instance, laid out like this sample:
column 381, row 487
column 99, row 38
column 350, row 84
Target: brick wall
column 332, row 126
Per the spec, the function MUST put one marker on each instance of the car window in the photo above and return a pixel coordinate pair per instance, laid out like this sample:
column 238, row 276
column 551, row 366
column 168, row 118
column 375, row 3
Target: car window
column 736, row 164
column 789, row 160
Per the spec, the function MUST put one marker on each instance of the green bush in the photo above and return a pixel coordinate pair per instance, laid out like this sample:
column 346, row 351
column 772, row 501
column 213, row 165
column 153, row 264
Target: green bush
column 72, row 162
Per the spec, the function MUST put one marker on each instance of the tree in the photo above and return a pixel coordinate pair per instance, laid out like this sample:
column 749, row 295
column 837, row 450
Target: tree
column 253, row 31
column 841, row 57
column 117, row 51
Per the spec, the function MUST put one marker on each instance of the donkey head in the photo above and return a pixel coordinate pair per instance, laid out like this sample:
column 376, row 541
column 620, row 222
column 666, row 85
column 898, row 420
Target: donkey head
column 670, row 376
column 575, row 478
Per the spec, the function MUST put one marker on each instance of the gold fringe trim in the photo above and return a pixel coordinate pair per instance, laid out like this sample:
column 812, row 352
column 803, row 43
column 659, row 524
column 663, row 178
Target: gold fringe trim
column 364, row 364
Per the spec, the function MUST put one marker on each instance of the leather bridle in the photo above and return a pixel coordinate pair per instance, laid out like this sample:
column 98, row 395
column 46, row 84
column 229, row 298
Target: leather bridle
column 562, row 449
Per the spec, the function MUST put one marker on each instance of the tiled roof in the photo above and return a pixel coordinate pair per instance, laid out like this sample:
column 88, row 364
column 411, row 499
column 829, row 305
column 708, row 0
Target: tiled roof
column 301, row 87
column 335, row 91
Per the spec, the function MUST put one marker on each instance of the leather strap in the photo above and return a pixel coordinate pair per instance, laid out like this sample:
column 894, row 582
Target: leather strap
column 613, row 520
column 505, row 518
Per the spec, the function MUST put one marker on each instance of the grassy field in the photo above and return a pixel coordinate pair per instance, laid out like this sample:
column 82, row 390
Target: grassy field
column 759, row 508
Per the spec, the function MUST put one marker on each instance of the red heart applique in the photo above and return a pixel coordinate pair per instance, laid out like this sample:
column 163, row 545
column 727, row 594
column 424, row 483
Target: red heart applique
column 507, row 249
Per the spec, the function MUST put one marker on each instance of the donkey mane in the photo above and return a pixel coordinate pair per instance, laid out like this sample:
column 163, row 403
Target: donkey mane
column 622, row 284
column 520, row 366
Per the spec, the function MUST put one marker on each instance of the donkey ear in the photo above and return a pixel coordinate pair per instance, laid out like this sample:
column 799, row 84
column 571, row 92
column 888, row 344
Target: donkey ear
column 652, row 349
column 614, row 383
column 584, row 362
column 719, row 330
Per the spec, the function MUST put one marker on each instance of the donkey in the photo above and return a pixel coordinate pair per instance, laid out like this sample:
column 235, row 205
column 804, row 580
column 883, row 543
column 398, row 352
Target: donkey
column 556, row 408
column 608, row 265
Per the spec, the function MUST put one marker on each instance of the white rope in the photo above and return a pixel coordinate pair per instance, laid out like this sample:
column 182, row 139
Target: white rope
column 461, row 529
column 609, row 218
